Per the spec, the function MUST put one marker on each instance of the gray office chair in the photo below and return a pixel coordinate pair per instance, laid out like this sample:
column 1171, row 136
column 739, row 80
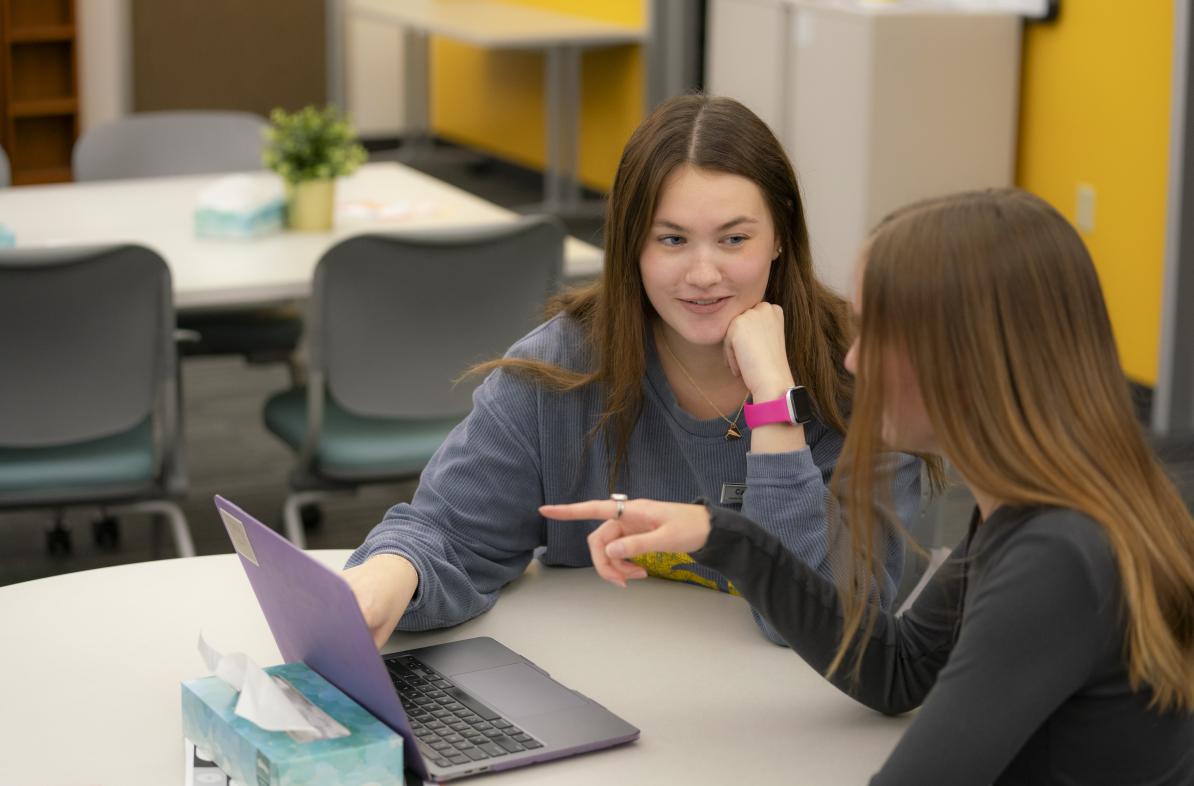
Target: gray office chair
column 158, row 144
column 89, row 403
column 392, row 320
column 5, row 170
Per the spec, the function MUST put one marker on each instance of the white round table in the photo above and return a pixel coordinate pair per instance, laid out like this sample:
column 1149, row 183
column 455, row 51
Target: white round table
column 92, row 661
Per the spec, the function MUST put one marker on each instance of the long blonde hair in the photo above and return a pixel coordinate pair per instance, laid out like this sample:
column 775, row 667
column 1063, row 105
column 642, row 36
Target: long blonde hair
column 719, row 135
column 995, row 301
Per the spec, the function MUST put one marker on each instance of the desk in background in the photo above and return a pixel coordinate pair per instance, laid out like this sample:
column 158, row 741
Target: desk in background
column 93, row 661
column 495, row 25
column 159, row 213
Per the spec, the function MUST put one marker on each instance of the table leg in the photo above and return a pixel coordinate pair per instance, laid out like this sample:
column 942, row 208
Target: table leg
column 416, row 77
column 561, row 190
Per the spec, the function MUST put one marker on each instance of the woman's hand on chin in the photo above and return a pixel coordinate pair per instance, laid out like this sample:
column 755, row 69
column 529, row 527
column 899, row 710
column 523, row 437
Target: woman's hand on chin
column 756, row 351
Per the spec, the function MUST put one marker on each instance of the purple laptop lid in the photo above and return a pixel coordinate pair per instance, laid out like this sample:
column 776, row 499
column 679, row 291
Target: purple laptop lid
column 315, row 619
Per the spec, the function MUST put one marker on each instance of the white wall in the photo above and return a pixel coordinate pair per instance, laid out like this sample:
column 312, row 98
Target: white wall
column 105, row 60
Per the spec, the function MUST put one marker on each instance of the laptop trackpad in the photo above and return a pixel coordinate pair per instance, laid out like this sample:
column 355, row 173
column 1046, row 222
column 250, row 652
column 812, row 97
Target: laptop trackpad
column 517, row 690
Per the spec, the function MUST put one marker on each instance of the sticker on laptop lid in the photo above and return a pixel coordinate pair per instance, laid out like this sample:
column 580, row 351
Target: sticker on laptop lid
column 240, row 539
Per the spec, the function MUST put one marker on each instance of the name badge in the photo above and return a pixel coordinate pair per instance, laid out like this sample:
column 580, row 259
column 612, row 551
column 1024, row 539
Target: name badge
column 731, row 493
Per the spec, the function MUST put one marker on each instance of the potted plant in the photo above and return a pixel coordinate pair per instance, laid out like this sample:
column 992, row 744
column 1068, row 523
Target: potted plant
column 310, row 148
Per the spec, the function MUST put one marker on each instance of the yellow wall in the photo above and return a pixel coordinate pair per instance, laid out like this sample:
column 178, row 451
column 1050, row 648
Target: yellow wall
column 494, row 100
column 1095, row 109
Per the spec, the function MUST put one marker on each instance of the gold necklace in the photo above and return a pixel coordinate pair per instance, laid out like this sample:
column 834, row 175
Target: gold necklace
column 732, row 432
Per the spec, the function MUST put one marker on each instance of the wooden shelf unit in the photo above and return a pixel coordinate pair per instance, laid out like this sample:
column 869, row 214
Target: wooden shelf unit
column 39, row 99
column 43, row 33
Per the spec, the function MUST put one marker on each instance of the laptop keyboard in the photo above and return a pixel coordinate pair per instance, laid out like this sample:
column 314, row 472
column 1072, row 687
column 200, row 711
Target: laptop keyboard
column 450, row 726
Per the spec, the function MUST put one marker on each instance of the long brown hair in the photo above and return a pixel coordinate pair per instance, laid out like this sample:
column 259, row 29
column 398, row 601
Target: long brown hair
column 995, row 301
column 718, row 135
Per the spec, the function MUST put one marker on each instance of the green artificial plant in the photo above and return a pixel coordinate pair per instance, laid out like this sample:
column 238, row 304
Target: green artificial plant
column 311, row 144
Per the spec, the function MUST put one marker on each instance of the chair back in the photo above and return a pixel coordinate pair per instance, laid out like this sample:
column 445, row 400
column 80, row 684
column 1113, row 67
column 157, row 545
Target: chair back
column 161, row 144
column 393, row 319
column 86, row 343
column 5, row 171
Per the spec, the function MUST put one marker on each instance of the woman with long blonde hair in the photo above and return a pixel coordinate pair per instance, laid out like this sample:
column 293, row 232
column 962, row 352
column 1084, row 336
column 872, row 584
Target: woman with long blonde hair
column 1056, row 645
column 642, row 384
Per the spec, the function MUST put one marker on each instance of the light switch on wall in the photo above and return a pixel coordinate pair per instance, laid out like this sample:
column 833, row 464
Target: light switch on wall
column 1084, row 213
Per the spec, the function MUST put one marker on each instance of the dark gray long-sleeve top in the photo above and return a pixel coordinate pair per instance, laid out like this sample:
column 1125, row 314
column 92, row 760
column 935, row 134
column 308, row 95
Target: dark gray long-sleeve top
column 1014, row 653
column 474, row 522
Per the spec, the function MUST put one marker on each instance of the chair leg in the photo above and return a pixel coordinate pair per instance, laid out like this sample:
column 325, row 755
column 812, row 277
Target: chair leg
column 292, row 514
column 178, row 523
column 157, row 530
column 297, row 369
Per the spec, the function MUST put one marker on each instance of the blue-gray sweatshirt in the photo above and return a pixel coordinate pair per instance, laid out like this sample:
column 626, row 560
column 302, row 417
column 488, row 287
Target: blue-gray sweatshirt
column 473, row 525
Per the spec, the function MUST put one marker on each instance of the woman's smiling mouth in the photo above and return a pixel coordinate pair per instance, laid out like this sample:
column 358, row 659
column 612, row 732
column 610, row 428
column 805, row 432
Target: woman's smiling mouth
column 704, row 305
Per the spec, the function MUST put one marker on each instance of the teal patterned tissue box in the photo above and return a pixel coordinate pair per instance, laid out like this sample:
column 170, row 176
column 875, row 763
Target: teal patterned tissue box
column 265, row 220
column 7, row 238
column 241, row 206
column 370, row 752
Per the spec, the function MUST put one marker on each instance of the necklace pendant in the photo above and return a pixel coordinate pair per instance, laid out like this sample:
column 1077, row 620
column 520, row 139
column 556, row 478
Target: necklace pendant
column 733, row 433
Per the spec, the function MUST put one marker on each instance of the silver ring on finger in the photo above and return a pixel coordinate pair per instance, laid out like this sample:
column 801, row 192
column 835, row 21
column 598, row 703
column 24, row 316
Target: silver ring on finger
column 621, row 499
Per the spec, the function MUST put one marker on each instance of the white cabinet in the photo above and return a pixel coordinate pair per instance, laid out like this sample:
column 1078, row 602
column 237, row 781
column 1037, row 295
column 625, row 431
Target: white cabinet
column 879, row 104
column 745, row 52
column 374, row 84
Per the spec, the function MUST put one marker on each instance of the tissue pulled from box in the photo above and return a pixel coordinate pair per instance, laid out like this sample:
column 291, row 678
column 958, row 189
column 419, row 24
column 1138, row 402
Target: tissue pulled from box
column 269, row 702
column 241, row 206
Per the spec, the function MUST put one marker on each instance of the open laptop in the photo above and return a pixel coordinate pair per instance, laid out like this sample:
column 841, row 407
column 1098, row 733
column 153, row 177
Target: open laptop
column 463, row 708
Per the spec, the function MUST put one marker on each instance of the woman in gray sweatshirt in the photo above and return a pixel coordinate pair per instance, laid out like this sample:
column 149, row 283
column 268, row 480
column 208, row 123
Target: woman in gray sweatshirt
column 1057, row 643
column 638, row 383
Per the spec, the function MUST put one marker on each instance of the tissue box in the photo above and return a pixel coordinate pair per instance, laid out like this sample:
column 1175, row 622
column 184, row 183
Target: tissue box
column 370, row 754
column 241, row 206
column 214, row 224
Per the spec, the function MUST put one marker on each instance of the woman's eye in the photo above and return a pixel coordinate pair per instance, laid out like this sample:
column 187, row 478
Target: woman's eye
column 671, row 240
column 735, row 240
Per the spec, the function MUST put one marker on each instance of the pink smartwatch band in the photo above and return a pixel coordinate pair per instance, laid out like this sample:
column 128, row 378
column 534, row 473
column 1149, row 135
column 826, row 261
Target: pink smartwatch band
column 774, row 411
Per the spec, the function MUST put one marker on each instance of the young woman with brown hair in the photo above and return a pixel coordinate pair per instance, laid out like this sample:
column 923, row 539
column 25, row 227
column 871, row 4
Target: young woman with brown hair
column 638, row 384
column 1057, row 643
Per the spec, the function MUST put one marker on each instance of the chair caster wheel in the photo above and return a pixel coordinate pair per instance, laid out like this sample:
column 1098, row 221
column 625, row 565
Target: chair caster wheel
column 58, row 542
column 106, row 532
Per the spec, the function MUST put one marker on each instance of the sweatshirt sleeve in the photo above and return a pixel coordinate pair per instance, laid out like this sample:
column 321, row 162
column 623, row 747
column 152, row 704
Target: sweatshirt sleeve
column 788, row 496
column 473, row 523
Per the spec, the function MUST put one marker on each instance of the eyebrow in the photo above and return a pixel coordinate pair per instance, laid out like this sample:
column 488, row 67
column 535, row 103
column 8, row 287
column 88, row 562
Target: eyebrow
column 731, row 223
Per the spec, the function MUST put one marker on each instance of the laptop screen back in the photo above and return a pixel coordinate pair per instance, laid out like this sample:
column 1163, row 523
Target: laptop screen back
column 313, row 615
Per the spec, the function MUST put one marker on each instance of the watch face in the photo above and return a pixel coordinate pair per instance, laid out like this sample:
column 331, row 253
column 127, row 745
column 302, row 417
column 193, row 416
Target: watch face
column 800, row 403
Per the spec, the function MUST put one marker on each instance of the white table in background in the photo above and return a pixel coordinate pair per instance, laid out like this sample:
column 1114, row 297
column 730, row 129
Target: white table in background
column 159, row 213
column 495, row 25
column 92, row 661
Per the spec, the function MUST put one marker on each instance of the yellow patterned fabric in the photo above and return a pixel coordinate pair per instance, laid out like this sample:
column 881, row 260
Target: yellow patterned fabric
column 681, row 567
